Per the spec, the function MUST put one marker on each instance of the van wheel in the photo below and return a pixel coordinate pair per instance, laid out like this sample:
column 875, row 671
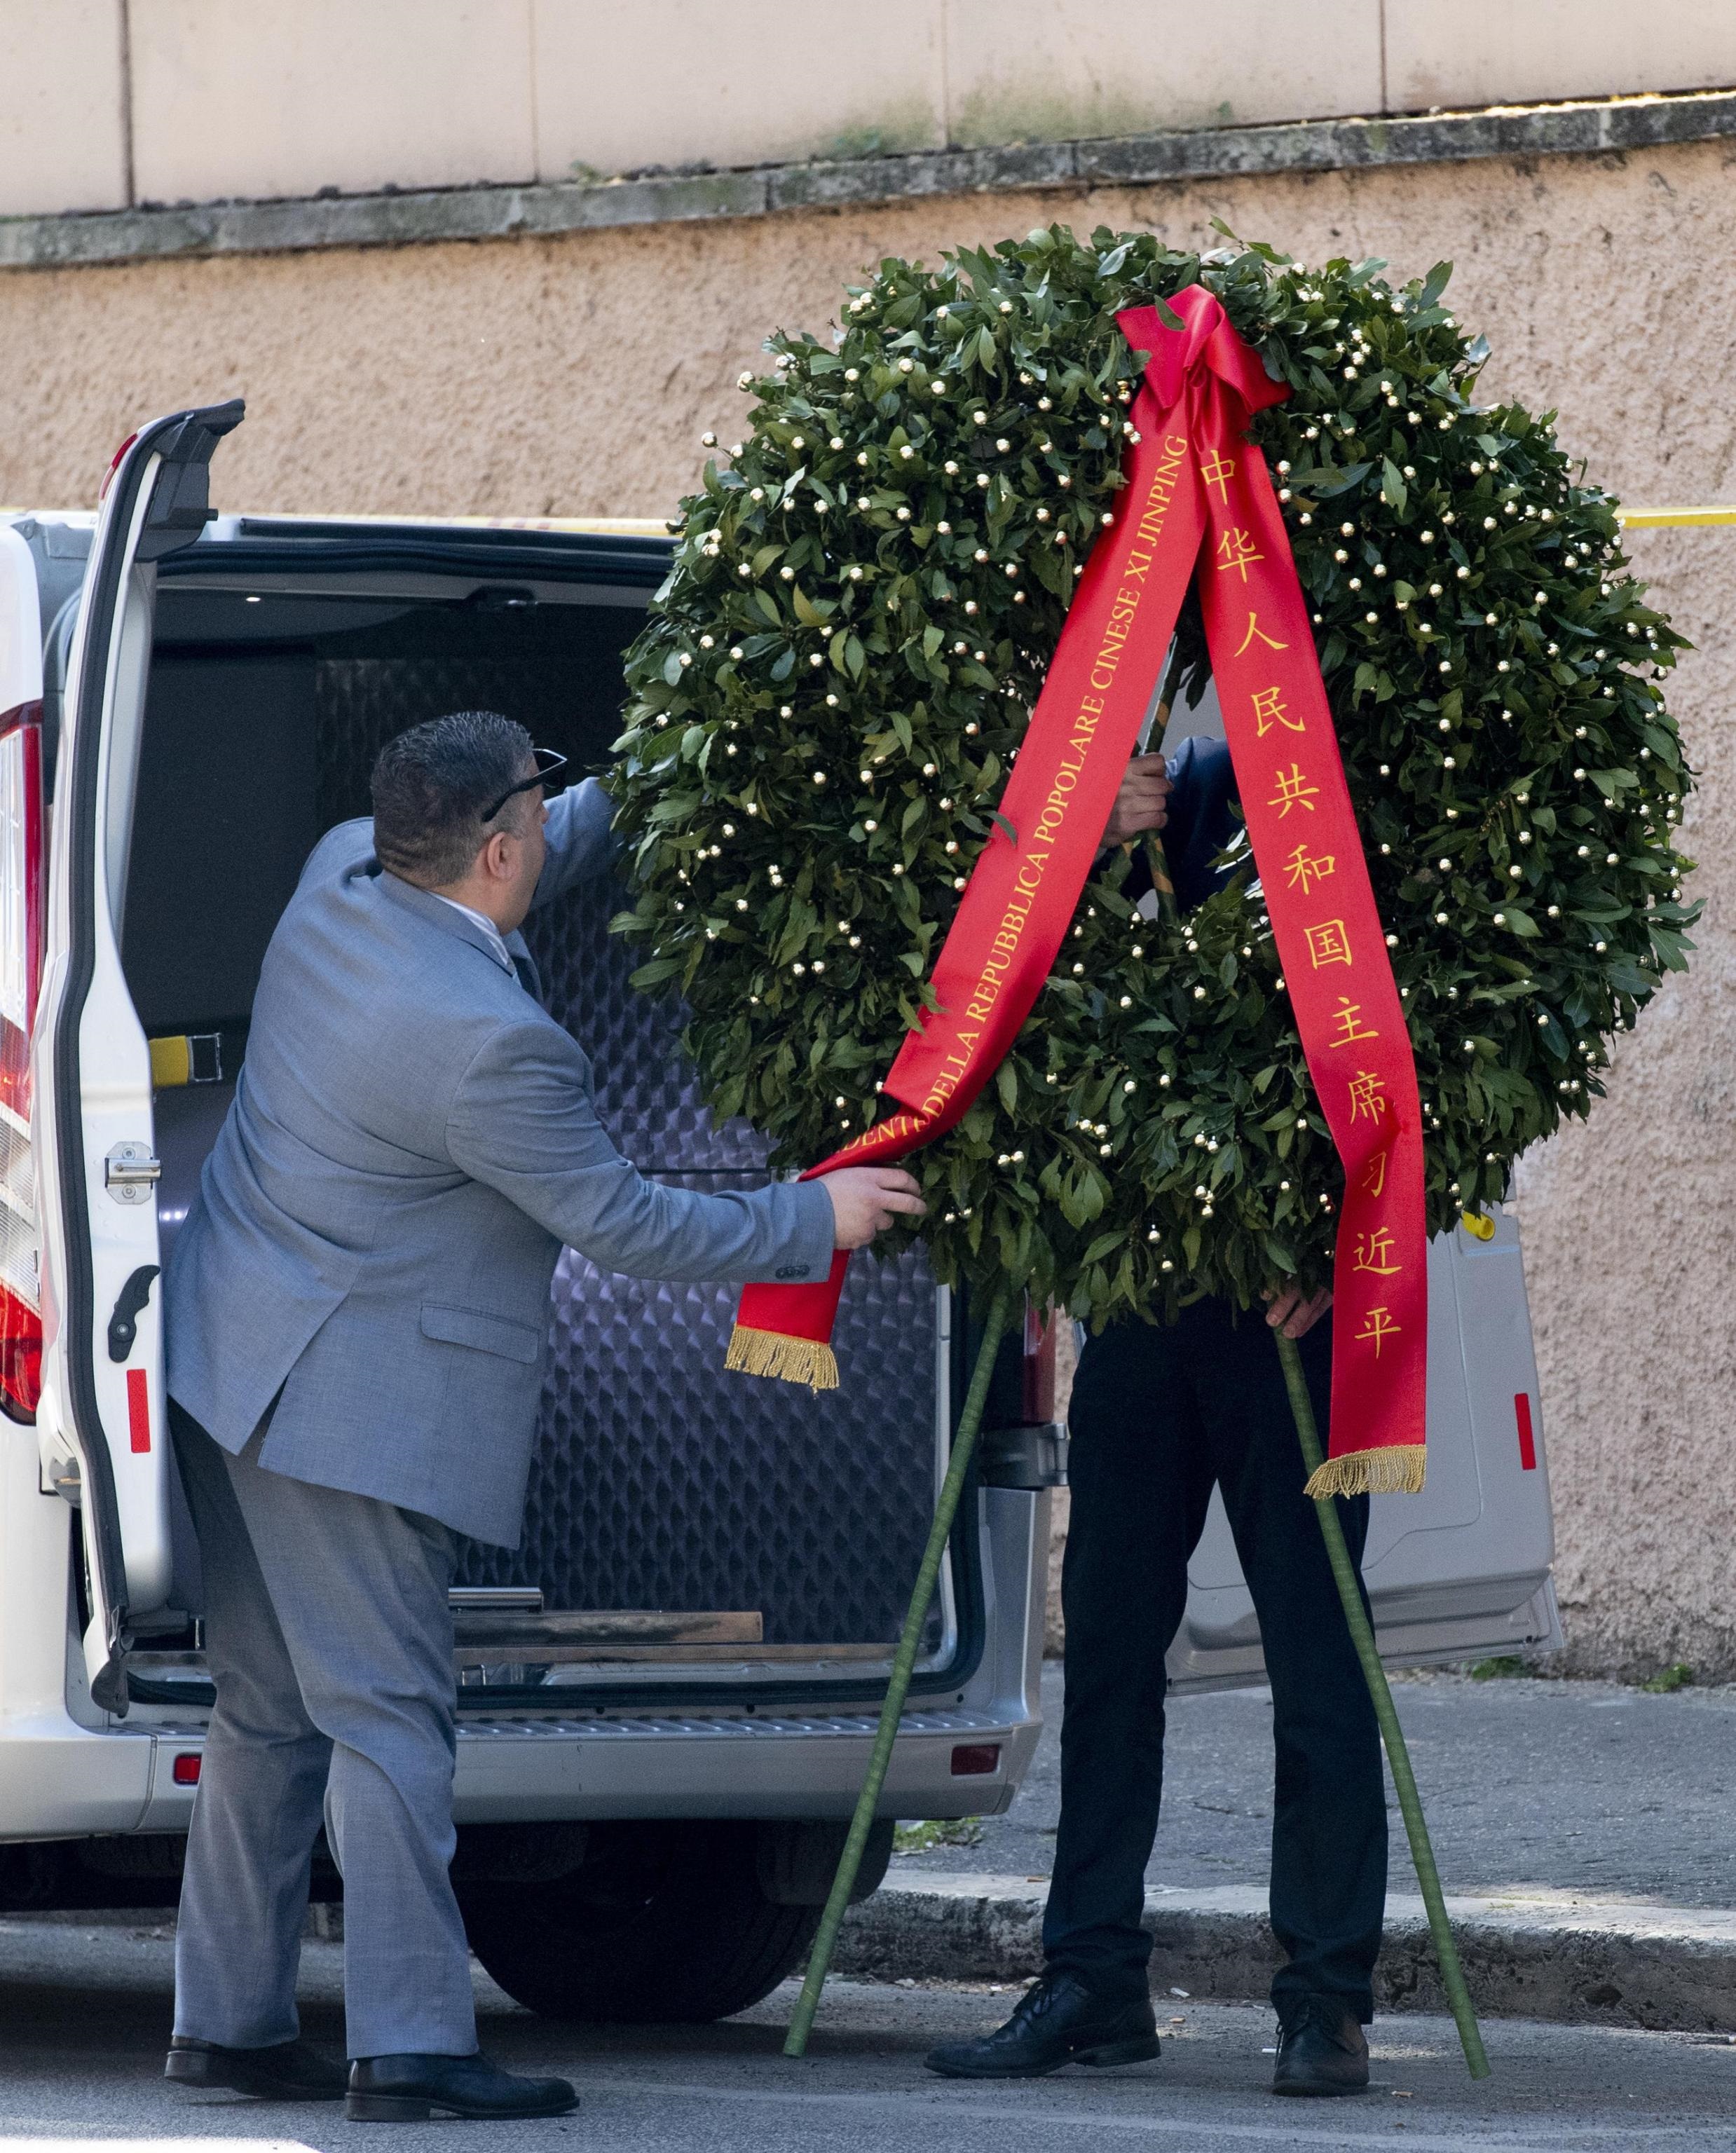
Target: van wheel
column 664, row 1923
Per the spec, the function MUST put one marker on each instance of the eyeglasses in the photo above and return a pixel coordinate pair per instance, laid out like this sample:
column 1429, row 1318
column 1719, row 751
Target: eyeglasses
column 549, row 767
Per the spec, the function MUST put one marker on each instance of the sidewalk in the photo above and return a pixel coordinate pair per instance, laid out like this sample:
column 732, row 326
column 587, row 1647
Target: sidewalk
column 1582, row 1831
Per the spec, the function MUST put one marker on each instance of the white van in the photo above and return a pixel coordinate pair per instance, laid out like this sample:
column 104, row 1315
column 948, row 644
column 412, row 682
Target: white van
column 668, row 1694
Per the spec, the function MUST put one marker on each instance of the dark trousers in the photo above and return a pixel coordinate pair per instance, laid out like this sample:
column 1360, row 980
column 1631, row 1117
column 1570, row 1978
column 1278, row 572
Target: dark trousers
column 1160, row 1413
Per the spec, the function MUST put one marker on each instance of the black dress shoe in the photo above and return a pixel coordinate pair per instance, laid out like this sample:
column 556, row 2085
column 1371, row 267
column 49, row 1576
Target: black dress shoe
column 1321, row 2050
column 411, row 2089
column 1058, row 2021
column 290, row 2070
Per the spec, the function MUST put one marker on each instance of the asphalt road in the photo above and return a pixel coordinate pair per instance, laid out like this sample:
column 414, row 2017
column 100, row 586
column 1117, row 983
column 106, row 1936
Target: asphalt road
column 86, row 2011
column 1576, row 1785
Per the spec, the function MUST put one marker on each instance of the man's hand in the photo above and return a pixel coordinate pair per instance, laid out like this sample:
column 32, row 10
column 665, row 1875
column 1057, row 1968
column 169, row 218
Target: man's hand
column 1291, row 1314
column 865, row 1199
column 1143, row 802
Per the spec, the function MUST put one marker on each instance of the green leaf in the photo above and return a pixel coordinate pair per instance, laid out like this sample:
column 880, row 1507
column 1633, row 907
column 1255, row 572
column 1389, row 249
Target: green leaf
column 1341, row 482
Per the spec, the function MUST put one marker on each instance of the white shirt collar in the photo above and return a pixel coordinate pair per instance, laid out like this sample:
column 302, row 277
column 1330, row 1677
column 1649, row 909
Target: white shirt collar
column 496, row 941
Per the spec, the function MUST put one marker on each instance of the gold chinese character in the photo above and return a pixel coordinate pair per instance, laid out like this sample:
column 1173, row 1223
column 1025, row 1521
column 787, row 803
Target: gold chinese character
column 1374, row 1250
column 1217, row 470
column 1237, row 549
column 1304, row 869
column 1269, row 710
column 1374, row 1181
column 1349, row 1020
column 1328, row 944
column 1293, row 791
column 1367, row 1096
column 1254, row 630
column 1379, row 1325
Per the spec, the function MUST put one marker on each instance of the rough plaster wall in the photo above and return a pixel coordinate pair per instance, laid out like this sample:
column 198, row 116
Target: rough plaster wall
column 1629, row 1223
column 574, row 376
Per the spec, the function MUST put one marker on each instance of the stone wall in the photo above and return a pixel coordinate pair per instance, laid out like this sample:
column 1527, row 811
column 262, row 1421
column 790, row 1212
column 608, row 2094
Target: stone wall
column 574, row 375
column 110, row 104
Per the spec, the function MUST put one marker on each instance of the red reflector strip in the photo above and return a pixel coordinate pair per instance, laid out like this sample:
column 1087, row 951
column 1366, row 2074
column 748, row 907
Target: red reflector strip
column 972, row 1759
column 1527, row 1439
column 138, row 1407
column 185, row 1770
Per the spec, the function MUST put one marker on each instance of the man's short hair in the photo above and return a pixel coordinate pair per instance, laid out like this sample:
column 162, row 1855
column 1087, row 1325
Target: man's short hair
column 430, row 785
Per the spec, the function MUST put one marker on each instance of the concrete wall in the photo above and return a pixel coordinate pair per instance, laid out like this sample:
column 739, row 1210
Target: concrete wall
column 574, row 375
column 63, row 106
column 107, row 102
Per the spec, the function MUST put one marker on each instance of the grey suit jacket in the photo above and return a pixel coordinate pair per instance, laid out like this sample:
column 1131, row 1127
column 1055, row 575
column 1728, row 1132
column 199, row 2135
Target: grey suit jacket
column 412, row 1139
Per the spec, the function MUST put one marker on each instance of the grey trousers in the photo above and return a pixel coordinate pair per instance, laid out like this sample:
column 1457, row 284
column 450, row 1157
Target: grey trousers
column 329, row 1639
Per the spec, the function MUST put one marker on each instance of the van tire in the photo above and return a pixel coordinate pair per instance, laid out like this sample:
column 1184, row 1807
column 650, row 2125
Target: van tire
column 663, row 1924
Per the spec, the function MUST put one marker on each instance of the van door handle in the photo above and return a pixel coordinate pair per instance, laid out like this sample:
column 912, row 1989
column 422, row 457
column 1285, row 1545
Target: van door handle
column 129, row 1307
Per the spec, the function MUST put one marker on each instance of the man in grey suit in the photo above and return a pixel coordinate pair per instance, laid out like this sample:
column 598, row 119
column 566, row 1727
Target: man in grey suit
column 357, row 1314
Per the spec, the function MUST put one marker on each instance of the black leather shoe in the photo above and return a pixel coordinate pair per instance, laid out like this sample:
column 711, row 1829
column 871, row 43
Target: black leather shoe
column 1321, row 2050
column 289, row 2071
column 1058, row 2021
column 411, row 2089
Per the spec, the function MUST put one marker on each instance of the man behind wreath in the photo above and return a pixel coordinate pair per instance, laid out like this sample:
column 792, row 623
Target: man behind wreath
column 1160, row 1414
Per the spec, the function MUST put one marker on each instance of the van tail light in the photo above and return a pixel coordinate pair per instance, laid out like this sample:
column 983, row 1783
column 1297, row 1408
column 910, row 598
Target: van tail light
column 972, row 1760
column 20, row 1355
column 21, row 949
column 1037, row 1373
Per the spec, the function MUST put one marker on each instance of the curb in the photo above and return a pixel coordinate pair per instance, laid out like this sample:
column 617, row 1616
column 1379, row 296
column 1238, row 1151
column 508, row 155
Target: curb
column 1527, row 1953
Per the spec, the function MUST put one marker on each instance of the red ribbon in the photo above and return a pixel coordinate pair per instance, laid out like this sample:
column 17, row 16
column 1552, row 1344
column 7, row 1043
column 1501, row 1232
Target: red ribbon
column 1197, row 492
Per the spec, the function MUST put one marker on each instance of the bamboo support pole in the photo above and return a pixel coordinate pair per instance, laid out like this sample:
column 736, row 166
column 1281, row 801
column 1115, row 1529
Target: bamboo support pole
column 903, row 1661
column 1361, row 1630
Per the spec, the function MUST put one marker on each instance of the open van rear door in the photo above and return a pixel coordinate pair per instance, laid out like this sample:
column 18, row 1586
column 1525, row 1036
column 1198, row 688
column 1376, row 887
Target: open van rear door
column 1461, row 1570
column 102, row 1409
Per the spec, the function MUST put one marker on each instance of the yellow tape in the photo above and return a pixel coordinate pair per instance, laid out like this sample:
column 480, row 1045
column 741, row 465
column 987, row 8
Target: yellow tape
column 171, row 1062
column 1660, row 519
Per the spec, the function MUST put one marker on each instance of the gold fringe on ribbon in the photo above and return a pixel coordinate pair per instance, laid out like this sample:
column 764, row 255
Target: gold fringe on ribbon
column 788, row 1360
column 1396, row 1470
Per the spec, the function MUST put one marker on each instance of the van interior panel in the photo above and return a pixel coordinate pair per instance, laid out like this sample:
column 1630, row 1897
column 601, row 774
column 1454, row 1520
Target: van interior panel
column 658, row 1481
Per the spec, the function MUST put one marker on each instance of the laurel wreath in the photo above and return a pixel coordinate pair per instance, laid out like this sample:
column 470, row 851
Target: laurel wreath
column 836, row 674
